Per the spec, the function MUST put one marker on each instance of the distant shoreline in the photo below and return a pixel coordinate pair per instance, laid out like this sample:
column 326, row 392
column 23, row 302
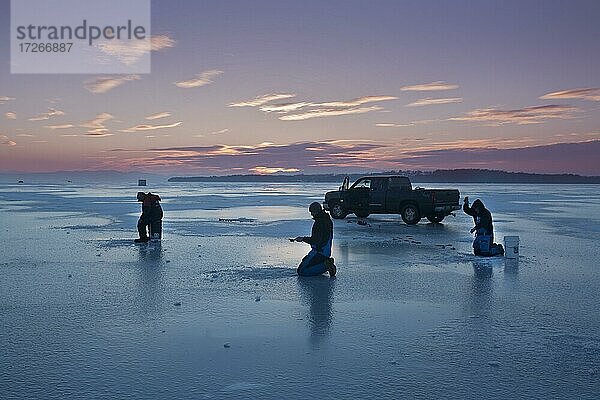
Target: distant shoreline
column 438, row 176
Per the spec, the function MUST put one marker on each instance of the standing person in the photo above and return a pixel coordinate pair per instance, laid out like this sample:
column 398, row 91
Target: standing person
column 483, row 245
column 151, row 218
column 318, row 260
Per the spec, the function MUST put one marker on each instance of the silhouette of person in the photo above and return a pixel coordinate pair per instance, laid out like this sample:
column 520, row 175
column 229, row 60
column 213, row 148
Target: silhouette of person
column 151, row 218
column 483, row 245
column 318, row 260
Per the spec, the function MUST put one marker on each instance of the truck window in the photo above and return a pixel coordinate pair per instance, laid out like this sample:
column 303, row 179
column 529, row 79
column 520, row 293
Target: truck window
column 399, row 183
column 378, row 184
column 364, row 183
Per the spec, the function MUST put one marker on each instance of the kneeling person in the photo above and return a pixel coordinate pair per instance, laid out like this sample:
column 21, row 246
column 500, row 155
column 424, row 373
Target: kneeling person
column 483, row 245
column 318, row 260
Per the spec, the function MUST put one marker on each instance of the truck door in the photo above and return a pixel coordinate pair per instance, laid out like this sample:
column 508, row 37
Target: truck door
column 358, row 195
column 378, row 195
column 399, row 189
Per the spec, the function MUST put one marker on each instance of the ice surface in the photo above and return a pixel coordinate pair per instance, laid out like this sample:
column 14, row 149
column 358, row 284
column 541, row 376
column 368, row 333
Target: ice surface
column 85, row 313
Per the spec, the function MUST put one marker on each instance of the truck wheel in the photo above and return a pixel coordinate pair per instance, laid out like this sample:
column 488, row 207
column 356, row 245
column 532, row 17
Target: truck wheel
column 338, row 212
column 436, row 219
column 362, row 214
column 410, row 214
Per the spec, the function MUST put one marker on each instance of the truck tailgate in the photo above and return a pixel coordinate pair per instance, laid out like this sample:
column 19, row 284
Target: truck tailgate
column 445, row 196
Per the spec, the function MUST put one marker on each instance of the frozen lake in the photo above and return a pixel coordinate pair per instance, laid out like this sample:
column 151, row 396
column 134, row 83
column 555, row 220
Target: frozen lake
column 85, row 313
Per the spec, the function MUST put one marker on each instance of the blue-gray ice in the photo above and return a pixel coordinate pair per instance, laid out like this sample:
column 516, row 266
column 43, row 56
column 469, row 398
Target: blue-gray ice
column 217, row 312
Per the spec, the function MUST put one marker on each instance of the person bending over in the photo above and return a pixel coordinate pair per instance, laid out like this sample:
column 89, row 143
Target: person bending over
column 318, row 260
column 151, row 217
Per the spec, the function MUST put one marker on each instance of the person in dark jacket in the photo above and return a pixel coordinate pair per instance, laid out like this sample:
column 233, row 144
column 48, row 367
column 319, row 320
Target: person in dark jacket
column 151, row 218
column 318, row 260
column 483, row 245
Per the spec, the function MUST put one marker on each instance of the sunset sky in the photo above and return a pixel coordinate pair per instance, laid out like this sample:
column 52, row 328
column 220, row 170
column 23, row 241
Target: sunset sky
column 314, row 86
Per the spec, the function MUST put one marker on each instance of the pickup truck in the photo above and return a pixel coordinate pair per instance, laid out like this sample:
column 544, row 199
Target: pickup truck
column 391, row 194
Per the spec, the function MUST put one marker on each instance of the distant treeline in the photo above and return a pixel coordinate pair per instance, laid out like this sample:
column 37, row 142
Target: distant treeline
column 442, row 176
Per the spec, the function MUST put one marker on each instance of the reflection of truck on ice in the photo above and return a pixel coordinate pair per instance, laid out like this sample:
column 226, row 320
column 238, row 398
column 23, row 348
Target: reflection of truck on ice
column 391, row 194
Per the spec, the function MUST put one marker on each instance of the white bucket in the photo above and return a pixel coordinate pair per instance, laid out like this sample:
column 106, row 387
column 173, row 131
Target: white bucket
column 511, row 246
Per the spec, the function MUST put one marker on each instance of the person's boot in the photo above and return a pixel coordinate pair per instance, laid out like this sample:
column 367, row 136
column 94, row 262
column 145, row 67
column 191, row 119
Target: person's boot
column 501, row 249
column 142, row 240
column 331, row 268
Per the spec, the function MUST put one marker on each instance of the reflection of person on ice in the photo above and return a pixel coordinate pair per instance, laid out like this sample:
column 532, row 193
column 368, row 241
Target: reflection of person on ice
column 483, row 245
column 151, row 218
column 318, row 260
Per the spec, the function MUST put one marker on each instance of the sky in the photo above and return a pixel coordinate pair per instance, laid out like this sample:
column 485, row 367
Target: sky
column 312, row 86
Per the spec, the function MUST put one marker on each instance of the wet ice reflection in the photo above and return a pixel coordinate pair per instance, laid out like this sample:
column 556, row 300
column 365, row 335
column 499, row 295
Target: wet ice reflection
column 317, row 294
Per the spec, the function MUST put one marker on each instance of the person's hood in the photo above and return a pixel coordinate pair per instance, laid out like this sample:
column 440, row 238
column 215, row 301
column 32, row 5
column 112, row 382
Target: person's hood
column 478, row 204
column 320, row 215
column 150, row 198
